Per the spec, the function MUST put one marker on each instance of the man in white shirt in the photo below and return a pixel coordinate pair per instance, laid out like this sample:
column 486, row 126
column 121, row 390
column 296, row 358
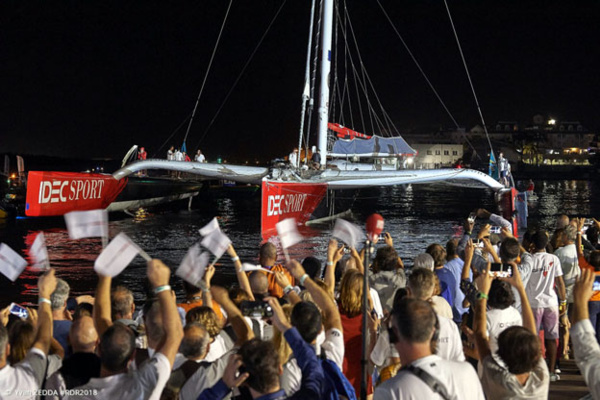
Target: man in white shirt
column 567, row 254
column 585, row 346
column 545, row 274
column 306, row 318
column 117, row 345
column 425, row 374
column 420, row 285
column 22, row 380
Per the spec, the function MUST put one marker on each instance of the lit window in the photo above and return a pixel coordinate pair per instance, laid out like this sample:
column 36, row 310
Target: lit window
column 437, row 152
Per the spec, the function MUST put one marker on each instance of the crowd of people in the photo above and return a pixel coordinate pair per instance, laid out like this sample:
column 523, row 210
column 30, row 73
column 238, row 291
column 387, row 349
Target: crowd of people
column 464, row 322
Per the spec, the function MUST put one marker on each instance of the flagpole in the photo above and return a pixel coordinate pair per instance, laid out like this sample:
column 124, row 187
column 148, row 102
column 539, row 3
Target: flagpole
column 365, row 316
column 287, row 256
column 145, row 255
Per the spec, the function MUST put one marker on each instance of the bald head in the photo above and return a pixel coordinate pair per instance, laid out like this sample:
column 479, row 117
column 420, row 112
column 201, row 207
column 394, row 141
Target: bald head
column 267, row 254
column 83, row 335
column 259, row 284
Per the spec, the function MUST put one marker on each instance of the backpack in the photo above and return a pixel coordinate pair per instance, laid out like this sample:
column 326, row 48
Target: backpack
column 338, row 386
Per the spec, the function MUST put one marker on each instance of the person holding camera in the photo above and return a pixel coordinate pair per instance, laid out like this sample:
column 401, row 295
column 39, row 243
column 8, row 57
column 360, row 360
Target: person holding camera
column 587, row 350
column 522, row 372
column 257, row 366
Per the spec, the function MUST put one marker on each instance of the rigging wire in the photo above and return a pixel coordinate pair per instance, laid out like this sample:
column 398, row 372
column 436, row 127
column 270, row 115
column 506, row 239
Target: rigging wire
column 212, row 57
column 412, row 56
column 305, row 95
column 468, row 76
column 313, row 81
column 241, row 73
column 172, row 134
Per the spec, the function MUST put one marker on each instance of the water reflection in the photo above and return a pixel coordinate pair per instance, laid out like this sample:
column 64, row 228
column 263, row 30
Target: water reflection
column 416, row 216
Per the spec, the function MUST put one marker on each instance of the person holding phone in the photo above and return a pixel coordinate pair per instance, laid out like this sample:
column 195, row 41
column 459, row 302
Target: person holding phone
column 592, row 264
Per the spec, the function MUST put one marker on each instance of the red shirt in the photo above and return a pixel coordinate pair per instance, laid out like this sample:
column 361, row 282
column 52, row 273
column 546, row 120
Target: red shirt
column 353, row 352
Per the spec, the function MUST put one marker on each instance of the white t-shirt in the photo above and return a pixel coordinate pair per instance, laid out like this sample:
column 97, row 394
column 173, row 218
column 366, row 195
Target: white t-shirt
column 459, row 379
column 498, row 320
column 376, row 303
column 333, row 346
column 570, row 267
column 151, row 376
column 525, row 268
column 449, row 345
column 540, row 288
column 26, row 376
column 383, row 350
column 204, row 378
column 441, row 307
column 499, row 384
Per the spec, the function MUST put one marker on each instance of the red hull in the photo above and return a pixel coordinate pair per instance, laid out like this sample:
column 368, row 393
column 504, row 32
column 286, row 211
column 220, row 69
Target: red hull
column 51, row 193
column 282, row 200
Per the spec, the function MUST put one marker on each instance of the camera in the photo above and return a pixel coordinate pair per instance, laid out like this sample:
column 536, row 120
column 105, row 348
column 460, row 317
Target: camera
column 256, row 309
column 495, row 229
column 596, row 285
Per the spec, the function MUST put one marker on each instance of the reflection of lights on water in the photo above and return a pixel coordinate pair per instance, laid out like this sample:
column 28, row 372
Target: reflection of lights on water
column 141, row 214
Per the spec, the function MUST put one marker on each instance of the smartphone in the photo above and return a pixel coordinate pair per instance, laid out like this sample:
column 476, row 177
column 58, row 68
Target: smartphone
column 495, row 229
column 472, row 217
column 596, row 285
column 19, row 311
column 501, row 270
column 256, row 309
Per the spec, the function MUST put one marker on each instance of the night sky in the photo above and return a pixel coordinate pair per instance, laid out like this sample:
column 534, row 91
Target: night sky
column 91, row 78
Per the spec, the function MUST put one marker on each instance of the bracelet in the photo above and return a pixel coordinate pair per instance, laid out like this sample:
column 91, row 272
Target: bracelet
column 563, row 302
column 303, row 278
column 482, row 295
column 234, row 259
column 162, row 289
column 44, row 300
column 330, row 263
column 204, row 287
column 287, row 289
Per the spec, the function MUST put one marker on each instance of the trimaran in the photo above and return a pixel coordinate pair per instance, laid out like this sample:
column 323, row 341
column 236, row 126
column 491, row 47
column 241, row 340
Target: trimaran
column 286, row 192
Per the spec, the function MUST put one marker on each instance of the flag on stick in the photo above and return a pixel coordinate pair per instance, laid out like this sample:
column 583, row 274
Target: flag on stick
column 288, row 232
column 194, row 265
column 213, row 225
column 116, row 256
column 217, row 243
column 39, row 253
column 347, row 232
column 11, row 263
column 84, row 224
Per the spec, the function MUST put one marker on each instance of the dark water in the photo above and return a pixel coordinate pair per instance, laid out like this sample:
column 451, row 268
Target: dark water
column 416, row 216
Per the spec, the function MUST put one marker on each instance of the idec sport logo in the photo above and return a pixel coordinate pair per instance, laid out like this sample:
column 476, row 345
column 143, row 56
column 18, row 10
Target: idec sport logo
column 61, row 191
column 281, row 200
column 285, row 204
column 56, row 193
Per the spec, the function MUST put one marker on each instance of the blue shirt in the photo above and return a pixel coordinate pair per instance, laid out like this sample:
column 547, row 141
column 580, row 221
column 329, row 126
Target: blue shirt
column 313, row 378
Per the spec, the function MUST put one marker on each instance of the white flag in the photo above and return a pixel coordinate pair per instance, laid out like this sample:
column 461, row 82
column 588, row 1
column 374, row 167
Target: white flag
column 251, row 267
column 213, row 225
column 11, row 263
column 193, row 266
column 288, row 232
column 39, row 253
column 116, row 256
column 348, row 232
column 217, row 242
column 84, row 224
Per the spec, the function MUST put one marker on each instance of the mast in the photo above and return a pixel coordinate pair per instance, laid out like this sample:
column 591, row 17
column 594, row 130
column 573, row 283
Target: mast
column 325, row 69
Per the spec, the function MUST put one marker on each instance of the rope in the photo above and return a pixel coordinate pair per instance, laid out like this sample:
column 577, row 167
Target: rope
column 241, row 73
column 410, row 53
column 212, row 57
column 468, row 76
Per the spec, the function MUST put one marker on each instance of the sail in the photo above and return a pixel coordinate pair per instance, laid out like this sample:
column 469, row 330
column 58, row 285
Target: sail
column 376, row 146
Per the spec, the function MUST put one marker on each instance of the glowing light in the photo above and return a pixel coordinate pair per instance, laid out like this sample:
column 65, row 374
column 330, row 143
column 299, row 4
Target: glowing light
column 551, row 121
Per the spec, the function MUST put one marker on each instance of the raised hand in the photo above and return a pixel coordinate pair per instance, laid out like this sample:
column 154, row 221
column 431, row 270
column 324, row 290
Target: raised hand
column 281, row 279
column 230, row 374
column 158, row 273
column 388, row 239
